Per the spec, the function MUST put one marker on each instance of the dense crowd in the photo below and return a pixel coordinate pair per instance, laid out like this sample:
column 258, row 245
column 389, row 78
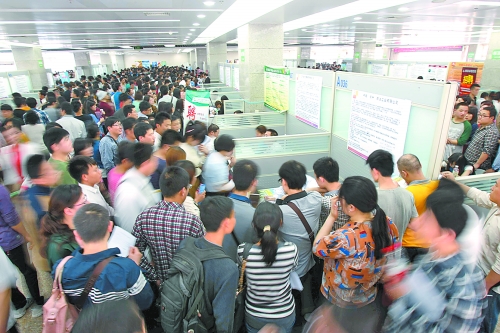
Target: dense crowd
column 150, row 221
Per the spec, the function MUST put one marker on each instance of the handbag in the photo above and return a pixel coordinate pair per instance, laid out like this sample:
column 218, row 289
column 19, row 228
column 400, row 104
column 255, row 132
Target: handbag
column 59, row 316
column 241, row 292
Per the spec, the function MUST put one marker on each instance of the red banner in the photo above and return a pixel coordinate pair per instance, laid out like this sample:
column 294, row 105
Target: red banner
column 469, row 75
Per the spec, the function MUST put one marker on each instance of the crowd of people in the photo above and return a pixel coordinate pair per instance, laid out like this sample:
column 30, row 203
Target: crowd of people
column 110, row 156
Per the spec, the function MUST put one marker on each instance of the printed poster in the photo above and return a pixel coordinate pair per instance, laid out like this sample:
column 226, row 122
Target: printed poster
column 377, row 122
column 196, row 105
column 308, row 99
column 455, row 71
column 276, row 87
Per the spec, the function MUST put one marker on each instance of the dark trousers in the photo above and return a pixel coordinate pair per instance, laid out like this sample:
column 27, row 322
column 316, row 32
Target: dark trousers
column 304, row 302
column 18, row 258
column 491, row 313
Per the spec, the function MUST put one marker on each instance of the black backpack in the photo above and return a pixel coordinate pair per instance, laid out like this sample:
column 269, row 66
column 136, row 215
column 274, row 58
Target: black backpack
column 183, row 305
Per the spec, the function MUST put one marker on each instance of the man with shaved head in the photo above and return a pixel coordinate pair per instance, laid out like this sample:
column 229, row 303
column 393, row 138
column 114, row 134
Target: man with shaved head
column 410, row 170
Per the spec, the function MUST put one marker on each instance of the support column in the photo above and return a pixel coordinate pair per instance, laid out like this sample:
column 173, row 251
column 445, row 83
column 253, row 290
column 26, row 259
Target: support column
column 259, row 45
column 30, row 59
column 471, row 53
column 106, row 61
column 82, row 60
column 201, row 58
column 362, row 53
column 491, row 72
column 216, row 52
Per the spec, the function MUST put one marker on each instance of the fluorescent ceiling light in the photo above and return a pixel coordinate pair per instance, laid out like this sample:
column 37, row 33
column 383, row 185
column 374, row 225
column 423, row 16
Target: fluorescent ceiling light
column 200, row 16
column 78, row 48
column 192, row 29
column 100, row 33
column 336, row 13
column 189, row 34
column 209, row 3
column 325, row 25
column 125, row 47
column 357, row 18
column 480, row 3
column 169, row 45
column 287, row 33
column 232, row 17
column 87, row 21
column 196, row 24
column 121, row 9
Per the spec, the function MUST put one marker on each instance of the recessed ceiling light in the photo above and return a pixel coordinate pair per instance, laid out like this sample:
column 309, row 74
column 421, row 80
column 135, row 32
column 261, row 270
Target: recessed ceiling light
column 200, row 16
column 192, row 29
column 189, row 33
column 357, row 18
column 196, row 24
column 287, row 33
column 303, row 29
column 209, row 3
column 403, row 9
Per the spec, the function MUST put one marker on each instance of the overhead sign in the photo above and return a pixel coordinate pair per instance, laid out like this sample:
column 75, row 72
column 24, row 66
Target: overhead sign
column 138, row 48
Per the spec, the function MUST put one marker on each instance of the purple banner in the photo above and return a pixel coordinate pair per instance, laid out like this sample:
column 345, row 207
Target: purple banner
column 427, row 49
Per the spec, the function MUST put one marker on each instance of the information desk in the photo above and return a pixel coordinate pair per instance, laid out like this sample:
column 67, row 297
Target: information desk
column 243, row 125
column 269, row 153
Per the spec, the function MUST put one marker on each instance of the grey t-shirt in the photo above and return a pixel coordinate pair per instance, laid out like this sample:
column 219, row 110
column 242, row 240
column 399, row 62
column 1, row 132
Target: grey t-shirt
column 399, row 205
column 243, row 230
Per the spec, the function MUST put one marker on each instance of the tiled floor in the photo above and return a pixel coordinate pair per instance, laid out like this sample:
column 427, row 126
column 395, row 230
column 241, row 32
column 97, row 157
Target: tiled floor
column 34, row 325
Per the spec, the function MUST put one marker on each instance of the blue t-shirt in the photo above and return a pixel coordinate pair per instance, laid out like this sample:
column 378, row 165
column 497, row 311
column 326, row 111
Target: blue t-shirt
column 155, row 177
column 116, row 99
column 33, row 193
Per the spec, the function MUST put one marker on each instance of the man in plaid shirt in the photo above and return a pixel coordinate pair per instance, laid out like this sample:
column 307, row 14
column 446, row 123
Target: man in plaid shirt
column 483, row 146
column 162, row 227
column 442, row 293
column 326, row 171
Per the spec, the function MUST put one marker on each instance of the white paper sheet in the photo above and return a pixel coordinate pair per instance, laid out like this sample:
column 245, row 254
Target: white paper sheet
column 121, row 239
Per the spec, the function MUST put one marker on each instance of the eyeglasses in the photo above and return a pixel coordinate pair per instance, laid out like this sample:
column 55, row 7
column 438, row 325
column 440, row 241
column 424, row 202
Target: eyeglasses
column 483, row 115
column 119, row 125
column 84, row 202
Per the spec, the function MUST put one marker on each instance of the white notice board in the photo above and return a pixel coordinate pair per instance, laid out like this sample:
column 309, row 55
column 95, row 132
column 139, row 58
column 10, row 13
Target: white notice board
column 379, row 69
column 398, row 70
column 227, row 79
column 236, row 78
column 377, row 122
column 19, row 83
column 4, row 88
column 308, row 99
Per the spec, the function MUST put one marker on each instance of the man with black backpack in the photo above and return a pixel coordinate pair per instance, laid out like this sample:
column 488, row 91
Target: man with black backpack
column 202, row 269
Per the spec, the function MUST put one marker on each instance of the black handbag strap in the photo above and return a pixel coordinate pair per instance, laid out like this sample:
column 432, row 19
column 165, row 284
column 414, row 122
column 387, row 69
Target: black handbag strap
column 235, row 238
column 296, row 209
column 91, row 281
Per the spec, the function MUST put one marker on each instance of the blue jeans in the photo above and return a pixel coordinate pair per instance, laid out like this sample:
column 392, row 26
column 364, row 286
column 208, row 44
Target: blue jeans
column 491, row 313
column 285, row 324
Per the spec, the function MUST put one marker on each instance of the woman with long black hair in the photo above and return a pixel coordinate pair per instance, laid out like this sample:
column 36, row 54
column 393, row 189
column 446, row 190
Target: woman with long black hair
column 353, row 256
column 268, row 267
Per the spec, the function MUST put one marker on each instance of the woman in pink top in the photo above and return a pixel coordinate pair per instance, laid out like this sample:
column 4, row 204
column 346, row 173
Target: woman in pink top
column 125, row 155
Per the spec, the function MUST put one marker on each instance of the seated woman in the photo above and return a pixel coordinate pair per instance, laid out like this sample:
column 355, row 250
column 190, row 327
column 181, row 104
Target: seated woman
column 57, row 226
column 354, row 257
column 457, row 164
column 269, row 302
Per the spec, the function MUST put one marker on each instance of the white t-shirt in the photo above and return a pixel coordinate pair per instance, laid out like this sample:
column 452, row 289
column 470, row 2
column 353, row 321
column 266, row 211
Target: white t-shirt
column 7, row 280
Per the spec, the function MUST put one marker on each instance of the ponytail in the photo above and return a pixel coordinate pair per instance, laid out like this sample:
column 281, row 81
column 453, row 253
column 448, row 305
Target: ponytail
column 266, row 222
column 380, row 232
column 269, row 245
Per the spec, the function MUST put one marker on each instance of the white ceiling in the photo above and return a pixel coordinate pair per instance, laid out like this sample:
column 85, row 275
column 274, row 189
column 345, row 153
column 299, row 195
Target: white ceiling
column 90, row 24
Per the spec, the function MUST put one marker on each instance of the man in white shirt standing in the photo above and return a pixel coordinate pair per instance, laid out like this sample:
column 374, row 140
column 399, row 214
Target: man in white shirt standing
column 135, row 192
column 86, row 172
column 75, row 127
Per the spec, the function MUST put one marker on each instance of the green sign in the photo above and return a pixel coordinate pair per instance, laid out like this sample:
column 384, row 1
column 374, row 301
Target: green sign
column 276, row 88
column 242, row 58
column 470, row 55
column 378, row 45
column 40, row 63
column 495, row 54
column 138, row 47
column 356, row 55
